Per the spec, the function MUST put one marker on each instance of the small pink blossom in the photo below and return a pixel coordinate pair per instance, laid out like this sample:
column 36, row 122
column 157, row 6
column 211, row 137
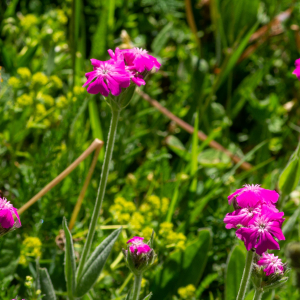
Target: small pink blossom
column 135, row 76
column 7, row 214
column 138, row 244
column 297, row 70
column 139, row 59
column 110, row 76
column 240, row 217
column 252, row 195
column 271, row 263
column 261, row 230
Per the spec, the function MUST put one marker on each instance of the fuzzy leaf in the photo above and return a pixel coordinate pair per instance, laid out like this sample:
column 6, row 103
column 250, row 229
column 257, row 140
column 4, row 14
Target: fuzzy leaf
column 70, row 263
column 234, row 272
column 95, row 264
column 46, row 285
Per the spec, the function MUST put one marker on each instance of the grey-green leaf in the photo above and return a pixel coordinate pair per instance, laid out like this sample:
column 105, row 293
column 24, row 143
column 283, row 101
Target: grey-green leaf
column 234, row 271
column 70, row 263
column 95, row 264
column 46, row 285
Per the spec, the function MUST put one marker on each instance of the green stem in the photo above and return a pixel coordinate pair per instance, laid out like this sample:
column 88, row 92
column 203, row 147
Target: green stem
column 257, row 294
column 246, row 275
column 101, row 190
column 137, row 286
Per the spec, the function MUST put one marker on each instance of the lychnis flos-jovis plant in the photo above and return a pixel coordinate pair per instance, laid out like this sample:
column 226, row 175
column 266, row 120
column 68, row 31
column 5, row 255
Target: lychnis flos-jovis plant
column 116, row 79
column 258, row 223
column 139, row 256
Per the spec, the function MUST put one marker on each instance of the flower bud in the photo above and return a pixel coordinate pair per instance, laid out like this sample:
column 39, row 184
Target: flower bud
column 139, row 256
column 268, row 272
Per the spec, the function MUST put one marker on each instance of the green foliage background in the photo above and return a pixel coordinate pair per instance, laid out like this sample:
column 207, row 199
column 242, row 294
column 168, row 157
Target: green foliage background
column 250, row 106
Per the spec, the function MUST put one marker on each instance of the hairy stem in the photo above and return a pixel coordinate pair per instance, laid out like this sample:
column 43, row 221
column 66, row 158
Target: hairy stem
column 137, row 286
column 101, row 190
column 246, row 275
column 257, row 294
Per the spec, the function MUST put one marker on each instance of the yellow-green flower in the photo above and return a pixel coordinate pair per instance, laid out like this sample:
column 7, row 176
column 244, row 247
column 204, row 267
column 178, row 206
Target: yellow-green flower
column 56, row 82
column 78, row 90
column 24, row 100
column 187, row 292
column 164, row 205
column 28, row 21
column 39, row 79
column 31, row 247
column 146, row 233
column 14, row 82
column 61, row 101
column 40, row 109
column 61, row 17
column 24, row 73
column 137, row 221
column 47, row 99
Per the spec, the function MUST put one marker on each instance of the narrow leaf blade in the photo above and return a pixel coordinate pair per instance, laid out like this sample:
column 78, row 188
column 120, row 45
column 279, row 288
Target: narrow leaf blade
column 46, row 285
column 70, row 263
column 95, row 264
column 234, row 272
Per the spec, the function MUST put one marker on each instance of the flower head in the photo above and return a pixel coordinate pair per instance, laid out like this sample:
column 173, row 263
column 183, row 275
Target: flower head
column 252, row 195
column 139, row 59
column 110, row 76
column 138, row 244
column 139, row 256
column 297, row 70
column 9, row 217
column 272, row 264
column 261, row 230
column 240, row 217
column 114, row 74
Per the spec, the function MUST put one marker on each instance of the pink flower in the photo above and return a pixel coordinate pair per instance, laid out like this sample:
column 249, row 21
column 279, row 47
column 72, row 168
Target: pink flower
column 138, row 244
column 297, row 70
column 7, row 214
column 110, row 76
column 240, row 217
column 139, row 59
column 271, row 263
column 252, row 195
column 135, row 76
column 261, row 230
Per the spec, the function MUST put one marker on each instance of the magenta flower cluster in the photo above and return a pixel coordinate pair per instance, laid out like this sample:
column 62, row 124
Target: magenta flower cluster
column 256, row 218
column 297, row 70
column 9, row 217
column 116, row 73
column 138, row 245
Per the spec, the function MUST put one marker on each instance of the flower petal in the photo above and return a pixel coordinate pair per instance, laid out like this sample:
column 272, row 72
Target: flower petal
column 6, row 218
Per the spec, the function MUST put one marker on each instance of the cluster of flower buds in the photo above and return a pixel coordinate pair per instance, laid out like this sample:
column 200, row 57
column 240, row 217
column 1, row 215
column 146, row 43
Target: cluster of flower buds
column 269, row 272
column 9, row 218
column 124, row 67
column 258, row 223
column 139, row 256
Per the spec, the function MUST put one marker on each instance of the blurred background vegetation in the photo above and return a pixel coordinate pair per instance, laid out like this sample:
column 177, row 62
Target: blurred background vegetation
column 226, row 70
